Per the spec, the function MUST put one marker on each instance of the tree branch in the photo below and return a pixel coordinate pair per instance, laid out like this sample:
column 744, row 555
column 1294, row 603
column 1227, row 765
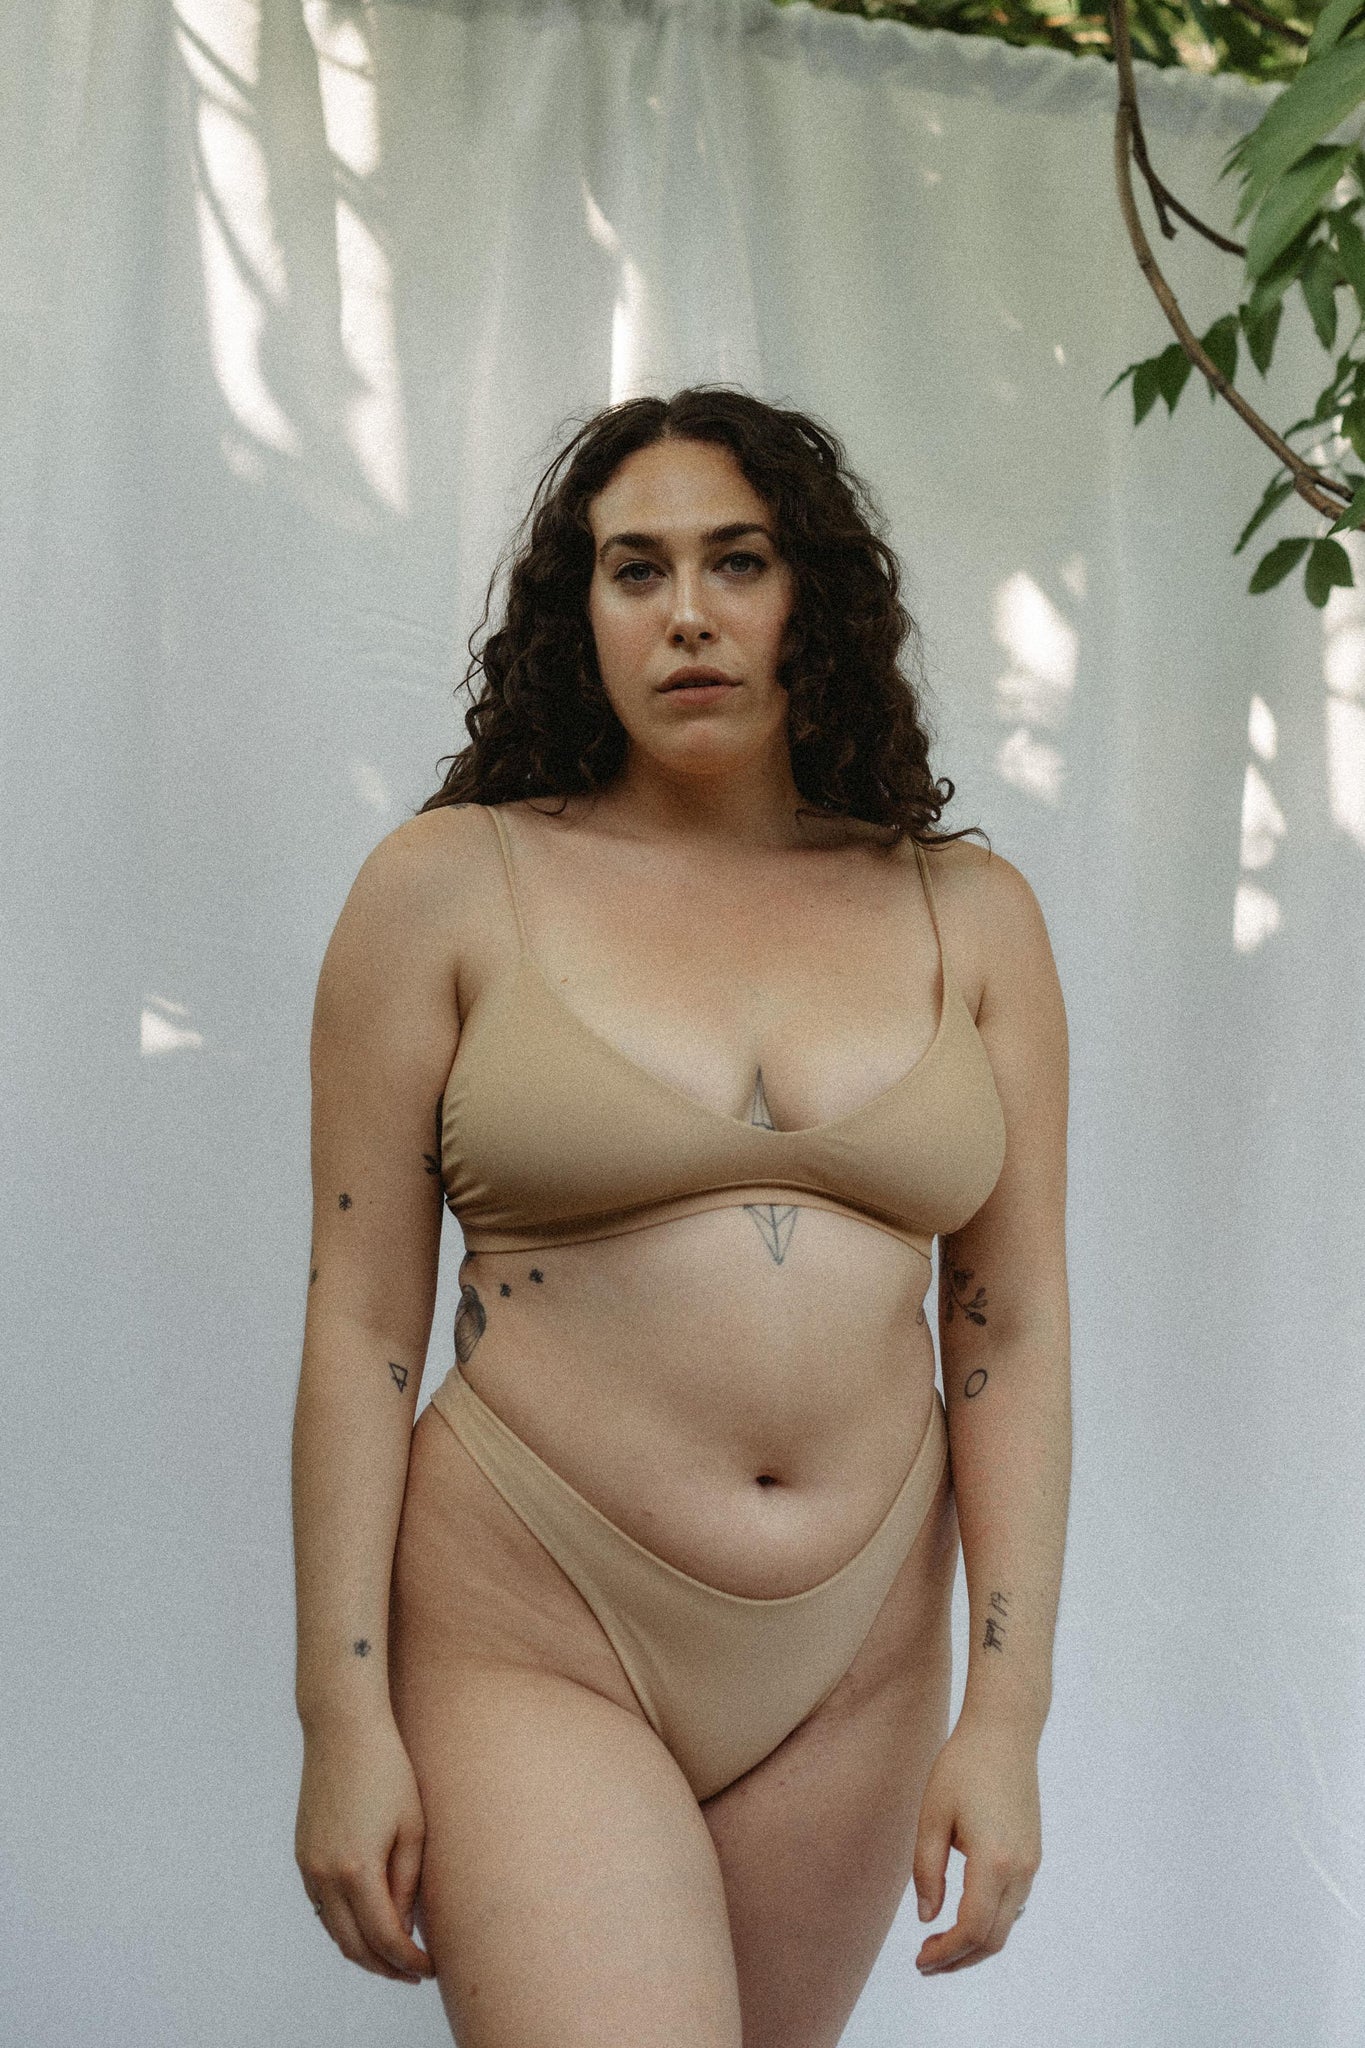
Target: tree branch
column 1311, row 484
column 1272, row 21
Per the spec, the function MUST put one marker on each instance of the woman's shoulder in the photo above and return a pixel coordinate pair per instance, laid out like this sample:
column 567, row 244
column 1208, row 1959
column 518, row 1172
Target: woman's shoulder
column 430, row 870
column 424, row 849
column 982, row 881
column 988, row 910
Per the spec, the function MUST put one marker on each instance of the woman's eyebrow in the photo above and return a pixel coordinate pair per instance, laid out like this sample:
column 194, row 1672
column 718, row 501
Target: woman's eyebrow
column 652, row 540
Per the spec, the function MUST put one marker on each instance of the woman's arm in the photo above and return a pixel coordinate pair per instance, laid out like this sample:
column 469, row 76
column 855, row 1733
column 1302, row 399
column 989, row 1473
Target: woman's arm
column 1004, row 1325
column 385, row 1028
column 1004, row 1332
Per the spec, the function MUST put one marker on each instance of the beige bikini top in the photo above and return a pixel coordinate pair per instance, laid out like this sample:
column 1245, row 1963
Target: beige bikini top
column 550, row 1135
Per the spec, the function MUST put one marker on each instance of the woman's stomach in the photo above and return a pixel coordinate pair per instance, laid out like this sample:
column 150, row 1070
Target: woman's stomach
column 742, row 1390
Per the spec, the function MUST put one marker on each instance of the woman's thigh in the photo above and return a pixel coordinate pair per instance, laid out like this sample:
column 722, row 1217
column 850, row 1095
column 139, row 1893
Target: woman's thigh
column 570, row 1890
column 571, row 1886
column 570, row 1893
column 817, row 1842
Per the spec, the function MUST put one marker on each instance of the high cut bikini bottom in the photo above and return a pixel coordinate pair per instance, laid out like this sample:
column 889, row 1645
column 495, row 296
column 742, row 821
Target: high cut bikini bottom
column 722, row 1678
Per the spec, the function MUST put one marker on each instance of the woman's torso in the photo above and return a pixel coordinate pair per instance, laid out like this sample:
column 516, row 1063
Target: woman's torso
column 741, row 1388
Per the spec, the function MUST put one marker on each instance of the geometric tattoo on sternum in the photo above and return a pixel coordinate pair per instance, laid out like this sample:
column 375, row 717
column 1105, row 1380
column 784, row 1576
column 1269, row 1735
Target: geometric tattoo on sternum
column 776, row 1221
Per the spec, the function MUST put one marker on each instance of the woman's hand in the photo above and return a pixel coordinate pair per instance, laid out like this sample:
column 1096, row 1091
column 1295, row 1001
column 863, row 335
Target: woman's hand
column 981, row 1799
column 358, row 1844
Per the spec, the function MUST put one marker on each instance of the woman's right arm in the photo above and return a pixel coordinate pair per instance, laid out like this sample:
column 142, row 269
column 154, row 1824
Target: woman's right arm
column 385, row 1028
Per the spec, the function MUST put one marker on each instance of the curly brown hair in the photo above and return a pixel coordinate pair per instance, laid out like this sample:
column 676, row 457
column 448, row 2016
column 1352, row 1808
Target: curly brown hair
column 542, row 725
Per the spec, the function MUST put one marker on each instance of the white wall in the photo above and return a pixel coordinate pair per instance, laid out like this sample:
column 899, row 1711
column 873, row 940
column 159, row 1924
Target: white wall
column 299, row 303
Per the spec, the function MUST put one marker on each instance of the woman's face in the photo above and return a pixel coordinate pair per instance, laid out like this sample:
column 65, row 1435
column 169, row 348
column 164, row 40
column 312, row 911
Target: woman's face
column 669, row 592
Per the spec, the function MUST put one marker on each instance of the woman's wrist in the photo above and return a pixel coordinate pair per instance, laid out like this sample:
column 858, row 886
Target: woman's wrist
column 353, row 1704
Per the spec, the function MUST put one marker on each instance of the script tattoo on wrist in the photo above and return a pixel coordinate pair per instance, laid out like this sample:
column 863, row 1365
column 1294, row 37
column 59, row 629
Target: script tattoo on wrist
column 994, row 1638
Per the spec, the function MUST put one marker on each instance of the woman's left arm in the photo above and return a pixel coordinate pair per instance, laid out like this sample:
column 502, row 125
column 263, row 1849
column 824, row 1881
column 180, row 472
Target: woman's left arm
column 1004, row 1339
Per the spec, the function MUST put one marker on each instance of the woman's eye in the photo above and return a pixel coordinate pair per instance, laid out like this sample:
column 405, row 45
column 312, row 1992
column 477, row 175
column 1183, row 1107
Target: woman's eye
column 623, row 574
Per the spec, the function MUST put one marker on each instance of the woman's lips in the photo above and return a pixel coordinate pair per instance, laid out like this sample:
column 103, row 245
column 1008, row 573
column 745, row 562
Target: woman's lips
column 698, row 693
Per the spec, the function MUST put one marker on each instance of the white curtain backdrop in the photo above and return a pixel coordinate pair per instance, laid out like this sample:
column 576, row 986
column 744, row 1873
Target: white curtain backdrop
column 298, row 300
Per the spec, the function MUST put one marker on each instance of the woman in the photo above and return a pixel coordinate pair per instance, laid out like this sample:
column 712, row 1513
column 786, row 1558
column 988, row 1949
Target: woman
column 626, row 1673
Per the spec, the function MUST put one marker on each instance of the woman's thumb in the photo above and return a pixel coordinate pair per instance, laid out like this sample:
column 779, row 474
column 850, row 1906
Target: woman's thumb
column 405, row 1870
column 931, row 1863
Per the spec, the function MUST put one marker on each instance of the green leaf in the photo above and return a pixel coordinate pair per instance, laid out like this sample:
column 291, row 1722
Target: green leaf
column 1122, row 375
column 1146, row 388
column 1332, row 24
column 1353, row 516
column 1318, row 282
column 1350, row 248
column 1261, row 334
column 1271, row 287
column 1318, row 99
column 1328, row 564
column 1173, row 366
column 1353, row 424
column 1209, row 28
column 1275, row 493
column 1220, row 342
column 1292, row 201
column 1277, row 564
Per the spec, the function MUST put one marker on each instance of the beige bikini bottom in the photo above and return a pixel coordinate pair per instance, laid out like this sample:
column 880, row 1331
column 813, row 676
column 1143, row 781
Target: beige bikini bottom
column 722, row 1677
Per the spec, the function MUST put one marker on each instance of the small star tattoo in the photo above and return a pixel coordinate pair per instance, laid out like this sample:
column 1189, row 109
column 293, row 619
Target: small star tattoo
column 503, row 1288
column 361, row 1648
column 343, row 1201
column 537, row 1275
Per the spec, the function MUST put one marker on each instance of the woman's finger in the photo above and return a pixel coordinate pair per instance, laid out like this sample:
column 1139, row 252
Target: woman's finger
column 1011, row 1906
column 382, row 1931
column 338, row 1917
column 977, row 1910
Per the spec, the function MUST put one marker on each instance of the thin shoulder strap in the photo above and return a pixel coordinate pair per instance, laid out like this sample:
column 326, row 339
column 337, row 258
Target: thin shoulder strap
column 923, row 860
column 496, row 815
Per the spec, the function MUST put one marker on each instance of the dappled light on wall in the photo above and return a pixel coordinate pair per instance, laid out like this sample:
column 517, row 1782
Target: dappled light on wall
column 261, row 298
column 1034, row 694
column 375, row 425
column 1343, row 668
column 627, row 313
column 1256, row 910
column 166, row 1028
column 242, row 263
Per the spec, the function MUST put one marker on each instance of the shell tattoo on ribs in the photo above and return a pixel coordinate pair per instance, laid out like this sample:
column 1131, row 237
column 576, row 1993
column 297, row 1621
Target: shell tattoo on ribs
column 471, row 1320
